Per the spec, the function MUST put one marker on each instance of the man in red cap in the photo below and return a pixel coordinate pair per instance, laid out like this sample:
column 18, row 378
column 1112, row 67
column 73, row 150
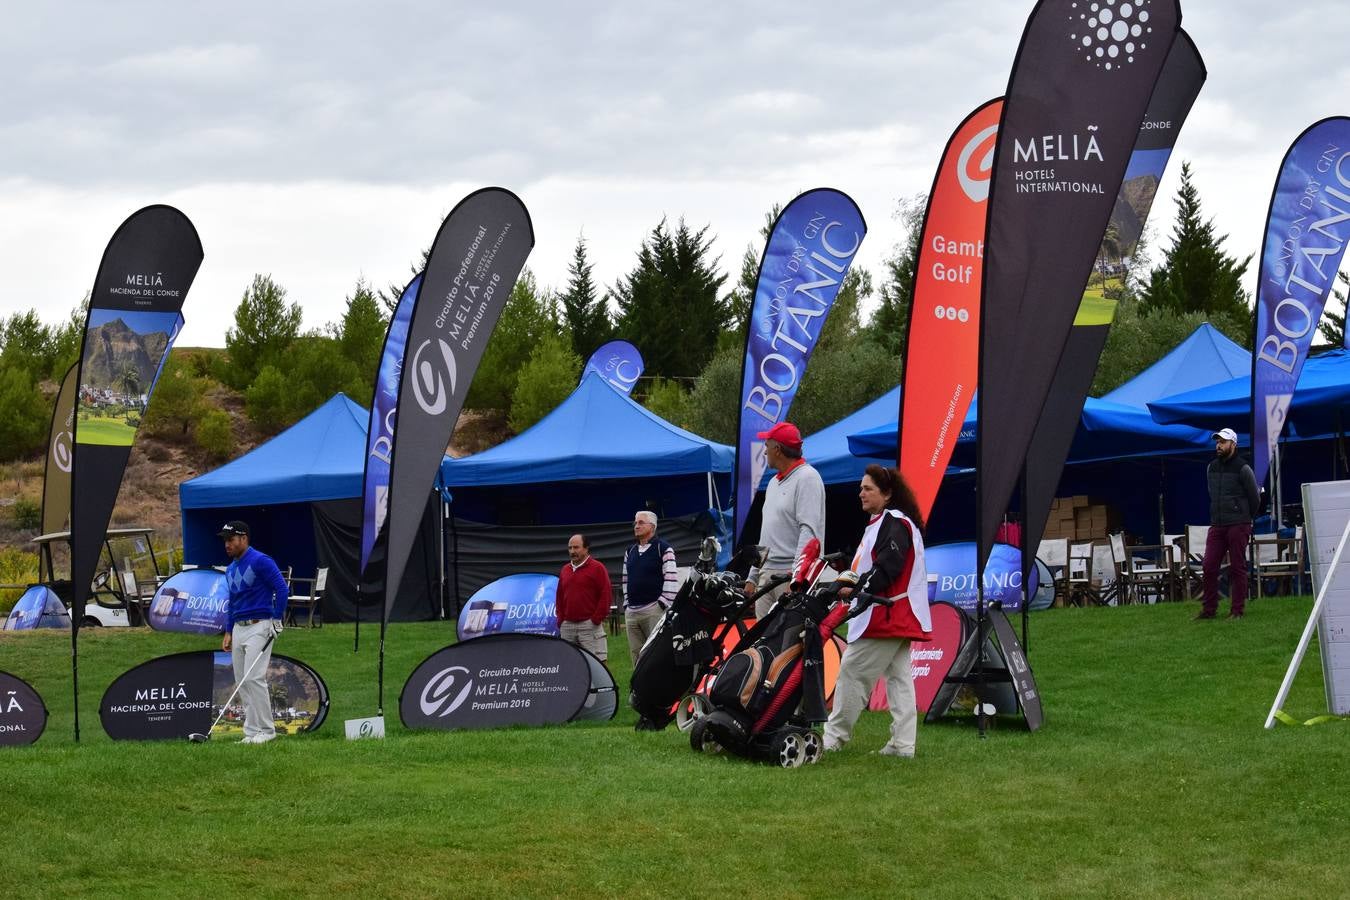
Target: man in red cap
column 794, row 510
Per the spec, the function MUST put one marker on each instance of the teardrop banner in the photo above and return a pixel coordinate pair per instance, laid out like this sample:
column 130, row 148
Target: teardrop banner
column 1079, row 88
column 515, row 604
column 195, row 601
column 812, row 243
column 942, row 342
column 23, row 715
column 1306, row 232
column 618, row 362
column 56, row 476
column 134, row 316
column 471, row 271
column 170, row 697
column 496, row 681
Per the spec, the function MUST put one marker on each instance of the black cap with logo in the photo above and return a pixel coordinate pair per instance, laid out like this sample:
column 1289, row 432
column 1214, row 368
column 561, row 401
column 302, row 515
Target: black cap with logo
column 229, row 529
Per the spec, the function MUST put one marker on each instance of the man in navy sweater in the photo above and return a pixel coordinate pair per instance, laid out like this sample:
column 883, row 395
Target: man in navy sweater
column 258, row 595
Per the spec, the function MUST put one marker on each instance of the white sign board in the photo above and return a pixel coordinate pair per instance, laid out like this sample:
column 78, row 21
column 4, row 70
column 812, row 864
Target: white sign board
column 1326, row 509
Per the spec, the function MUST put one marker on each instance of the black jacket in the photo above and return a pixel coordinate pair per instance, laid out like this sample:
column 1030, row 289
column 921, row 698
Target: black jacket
column 1233, row 495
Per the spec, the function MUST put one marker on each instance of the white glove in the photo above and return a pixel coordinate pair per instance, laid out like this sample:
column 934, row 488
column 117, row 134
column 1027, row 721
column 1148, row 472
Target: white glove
column 276, row 626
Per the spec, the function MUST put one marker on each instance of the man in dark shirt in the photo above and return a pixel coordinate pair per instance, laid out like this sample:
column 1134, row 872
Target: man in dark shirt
column 1234, row 499
column 258, row 595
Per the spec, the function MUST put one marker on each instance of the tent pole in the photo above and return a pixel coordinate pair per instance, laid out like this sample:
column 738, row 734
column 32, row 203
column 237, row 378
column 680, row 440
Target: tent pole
column 710, row 491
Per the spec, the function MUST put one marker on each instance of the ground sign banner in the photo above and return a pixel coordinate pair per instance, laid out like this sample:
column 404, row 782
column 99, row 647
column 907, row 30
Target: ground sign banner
column 516, row 604
column 170, row 697
column 496, row 681
column 23, row 716
column 195, row 601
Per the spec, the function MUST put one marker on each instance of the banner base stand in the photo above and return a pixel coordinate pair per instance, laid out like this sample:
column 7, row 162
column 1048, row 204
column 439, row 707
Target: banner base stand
column 1005, row 682
column 360, row 729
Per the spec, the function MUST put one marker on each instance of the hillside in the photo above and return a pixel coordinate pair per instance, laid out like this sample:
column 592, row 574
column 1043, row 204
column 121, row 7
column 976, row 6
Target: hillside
column 159, row 464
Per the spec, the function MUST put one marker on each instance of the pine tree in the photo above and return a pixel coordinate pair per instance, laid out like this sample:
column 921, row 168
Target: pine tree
column 264, row 329
column 669, row 305
column 583, row 311
column 1196, row 275
column 890, row 321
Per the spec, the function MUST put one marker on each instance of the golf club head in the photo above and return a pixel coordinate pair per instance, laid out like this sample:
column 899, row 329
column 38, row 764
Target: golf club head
column 198, row 738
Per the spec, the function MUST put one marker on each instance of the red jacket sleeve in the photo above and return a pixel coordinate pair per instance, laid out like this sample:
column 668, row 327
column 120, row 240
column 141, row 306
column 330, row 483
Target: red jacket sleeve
column 605, row 592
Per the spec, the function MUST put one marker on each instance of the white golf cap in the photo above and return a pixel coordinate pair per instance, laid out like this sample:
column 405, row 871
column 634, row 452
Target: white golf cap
column 1225, row 434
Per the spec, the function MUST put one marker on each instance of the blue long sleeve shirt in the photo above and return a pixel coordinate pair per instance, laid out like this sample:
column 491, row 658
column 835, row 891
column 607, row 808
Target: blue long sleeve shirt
column 257, row 588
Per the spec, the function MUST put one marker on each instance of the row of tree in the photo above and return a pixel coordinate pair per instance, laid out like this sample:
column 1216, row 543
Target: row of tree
column 674, row 304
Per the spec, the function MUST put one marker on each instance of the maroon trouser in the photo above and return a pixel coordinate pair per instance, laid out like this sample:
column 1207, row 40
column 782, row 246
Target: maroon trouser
column 1230, row 541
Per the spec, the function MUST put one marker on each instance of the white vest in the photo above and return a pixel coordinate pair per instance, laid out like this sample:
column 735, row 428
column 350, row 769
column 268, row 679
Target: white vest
column 916, row 594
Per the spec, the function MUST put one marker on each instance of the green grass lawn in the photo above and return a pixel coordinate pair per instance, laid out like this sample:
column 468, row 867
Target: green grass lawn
column 1153, row 776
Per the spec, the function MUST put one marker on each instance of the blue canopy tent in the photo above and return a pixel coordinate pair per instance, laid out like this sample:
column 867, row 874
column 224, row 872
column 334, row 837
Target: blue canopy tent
column 587, row 466
column 1312, row 448
column 299, row 493
column 1118, row 447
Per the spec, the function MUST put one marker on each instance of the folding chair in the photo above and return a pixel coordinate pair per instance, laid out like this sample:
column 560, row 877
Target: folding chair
column 1150, row 572
column 1122, row 589
column 1078, row 589
column 1193, row 561
column 1054, row 552
column 310, row 601
column 1277, row 558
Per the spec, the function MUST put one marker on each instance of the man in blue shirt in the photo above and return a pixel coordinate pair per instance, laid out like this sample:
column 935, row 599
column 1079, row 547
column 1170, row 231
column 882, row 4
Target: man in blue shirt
column 258, row 595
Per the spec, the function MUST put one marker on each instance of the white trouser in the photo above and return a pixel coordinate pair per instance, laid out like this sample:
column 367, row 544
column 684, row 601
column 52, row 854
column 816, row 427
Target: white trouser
column 640, row 624
column 865, row 660
column 586, row 635
column 765, row 603
column 247, row 644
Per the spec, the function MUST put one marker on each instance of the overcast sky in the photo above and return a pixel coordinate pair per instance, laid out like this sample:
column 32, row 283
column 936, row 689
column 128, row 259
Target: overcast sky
column 323, row 142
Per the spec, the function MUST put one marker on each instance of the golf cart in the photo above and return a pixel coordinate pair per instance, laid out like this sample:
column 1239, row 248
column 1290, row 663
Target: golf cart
column 117, row 597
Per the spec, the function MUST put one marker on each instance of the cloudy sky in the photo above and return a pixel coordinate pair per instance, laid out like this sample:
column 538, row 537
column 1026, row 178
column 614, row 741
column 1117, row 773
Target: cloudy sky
column 324, row 142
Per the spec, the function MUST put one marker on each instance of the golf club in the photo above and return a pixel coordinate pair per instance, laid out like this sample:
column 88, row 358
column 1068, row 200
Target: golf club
column 197, row 737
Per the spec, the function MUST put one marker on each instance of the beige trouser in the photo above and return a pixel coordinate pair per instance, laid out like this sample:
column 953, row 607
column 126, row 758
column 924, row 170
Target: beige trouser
column 764, row 603
column 866, row 660
column 640, row 624
column 587, row 636
column 247, row 644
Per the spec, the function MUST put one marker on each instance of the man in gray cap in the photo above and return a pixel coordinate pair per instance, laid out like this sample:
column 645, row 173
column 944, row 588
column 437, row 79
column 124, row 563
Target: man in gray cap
column 1234, row 500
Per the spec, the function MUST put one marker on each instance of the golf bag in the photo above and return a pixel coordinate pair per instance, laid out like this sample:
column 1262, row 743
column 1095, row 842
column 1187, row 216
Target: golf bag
column 687, row 642
column 769, row 695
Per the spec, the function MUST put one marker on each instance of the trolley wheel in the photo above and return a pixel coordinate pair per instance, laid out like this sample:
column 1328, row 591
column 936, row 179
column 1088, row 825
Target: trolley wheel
column 691, row 708
column 788, row 751
column 812, row 748
column 700, row 740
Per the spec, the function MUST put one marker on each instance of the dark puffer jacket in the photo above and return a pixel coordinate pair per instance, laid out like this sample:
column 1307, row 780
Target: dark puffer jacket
column 1234, row 498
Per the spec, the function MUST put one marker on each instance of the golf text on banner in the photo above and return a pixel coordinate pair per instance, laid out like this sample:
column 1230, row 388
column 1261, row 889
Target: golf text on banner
column 1305, row 239
column 942, row 346
column 471, row 270
column 810, row 247
column 60, row 452
column 1179, row 84
column 380, row 432
column 1078, row 91
column 142, row 281
column 618, row 362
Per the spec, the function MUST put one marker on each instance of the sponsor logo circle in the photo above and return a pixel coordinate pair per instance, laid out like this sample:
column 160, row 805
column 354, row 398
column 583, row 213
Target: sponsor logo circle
column 1112, row 32
column 940, row 312
column 366, row 729
column 61, row 454
column 444, row 694
column 433, row 377
column 975, row 181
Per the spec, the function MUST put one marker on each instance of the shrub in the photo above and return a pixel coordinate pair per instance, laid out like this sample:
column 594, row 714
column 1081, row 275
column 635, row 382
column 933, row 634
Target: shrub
column 16, row 567
column 27, row 514
column 545, row 381
column 215, row 434
column 668, row 400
